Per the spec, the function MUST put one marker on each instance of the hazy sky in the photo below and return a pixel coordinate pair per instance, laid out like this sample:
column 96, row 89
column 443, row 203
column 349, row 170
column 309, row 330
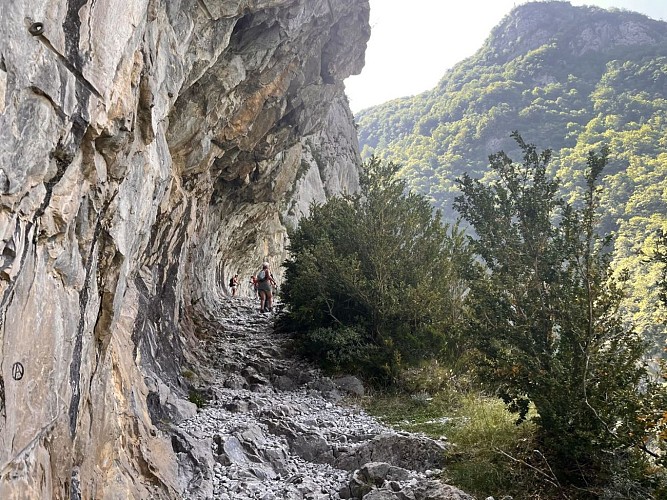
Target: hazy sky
column 413, row 42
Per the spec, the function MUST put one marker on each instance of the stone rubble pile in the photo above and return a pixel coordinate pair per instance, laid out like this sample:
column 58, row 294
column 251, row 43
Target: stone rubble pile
column 274, row 428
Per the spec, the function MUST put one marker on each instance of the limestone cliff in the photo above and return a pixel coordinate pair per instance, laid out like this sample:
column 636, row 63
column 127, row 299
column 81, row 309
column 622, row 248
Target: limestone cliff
column 148, row 150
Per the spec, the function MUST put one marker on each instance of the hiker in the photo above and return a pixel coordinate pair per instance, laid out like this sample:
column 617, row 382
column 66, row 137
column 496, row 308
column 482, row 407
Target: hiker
column 265, row 282
column 234, row 284
column 253, row 286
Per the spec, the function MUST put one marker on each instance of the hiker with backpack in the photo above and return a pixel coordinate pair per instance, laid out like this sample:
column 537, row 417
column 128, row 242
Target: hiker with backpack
column 265, row 284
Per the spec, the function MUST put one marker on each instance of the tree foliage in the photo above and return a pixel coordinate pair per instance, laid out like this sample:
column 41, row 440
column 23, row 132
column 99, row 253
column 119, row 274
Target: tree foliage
column 546, row 316
column 659, row 257
column 373, row 282
column 570, row 98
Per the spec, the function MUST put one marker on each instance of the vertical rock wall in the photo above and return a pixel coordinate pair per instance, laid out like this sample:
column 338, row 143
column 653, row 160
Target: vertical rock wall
column 148, row 150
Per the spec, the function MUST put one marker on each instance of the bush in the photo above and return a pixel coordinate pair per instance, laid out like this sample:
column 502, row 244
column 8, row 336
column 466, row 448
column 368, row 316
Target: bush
column 487, row 447
column 342, row 350
column 546, row 318
column 379, row 264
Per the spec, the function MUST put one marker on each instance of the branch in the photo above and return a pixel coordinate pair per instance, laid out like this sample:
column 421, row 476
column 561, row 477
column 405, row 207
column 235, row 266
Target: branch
column 551, row 479
column 329, row 303
column 647, row 451
column 585, row 383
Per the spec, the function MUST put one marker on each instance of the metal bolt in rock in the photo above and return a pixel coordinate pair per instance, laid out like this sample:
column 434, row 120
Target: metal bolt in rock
column 36, row 29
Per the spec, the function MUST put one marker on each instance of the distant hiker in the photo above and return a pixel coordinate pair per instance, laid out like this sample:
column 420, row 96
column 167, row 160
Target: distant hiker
column 253, row 286
column 234, row 284
column 265, row 282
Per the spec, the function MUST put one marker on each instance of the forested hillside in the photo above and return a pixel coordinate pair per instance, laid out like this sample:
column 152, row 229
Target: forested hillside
column 567, row 78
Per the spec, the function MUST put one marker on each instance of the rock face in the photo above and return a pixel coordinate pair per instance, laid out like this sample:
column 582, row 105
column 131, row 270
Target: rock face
column 148, row 150
column 532, row 25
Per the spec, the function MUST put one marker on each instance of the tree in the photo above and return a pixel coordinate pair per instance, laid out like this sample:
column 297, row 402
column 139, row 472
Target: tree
column 545, row 315
column 659, row 256
column 657, row 400
column 373, row 282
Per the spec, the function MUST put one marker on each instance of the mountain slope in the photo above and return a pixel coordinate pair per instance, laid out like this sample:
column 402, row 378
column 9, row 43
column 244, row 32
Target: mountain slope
column 567, row 78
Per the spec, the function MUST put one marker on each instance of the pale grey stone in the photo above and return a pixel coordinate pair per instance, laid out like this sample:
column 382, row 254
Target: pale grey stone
column 351, row 385
column 410, row 452
column 234, row 452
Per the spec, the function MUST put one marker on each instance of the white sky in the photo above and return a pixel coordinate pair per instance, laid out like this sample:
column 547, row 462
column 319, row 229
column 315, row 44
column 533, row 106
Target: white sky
column 413, row 42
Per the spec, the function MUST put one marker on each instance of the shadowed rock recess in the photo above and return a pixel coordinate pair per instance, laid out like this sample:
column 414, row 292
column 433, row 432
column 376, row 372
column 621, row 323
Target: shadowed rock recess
column 149, row 149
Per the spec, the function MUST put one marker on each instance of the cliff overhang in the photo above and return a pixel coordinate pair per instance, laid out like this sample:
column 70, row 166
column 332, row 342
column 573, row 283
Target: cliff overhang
column 148, row 150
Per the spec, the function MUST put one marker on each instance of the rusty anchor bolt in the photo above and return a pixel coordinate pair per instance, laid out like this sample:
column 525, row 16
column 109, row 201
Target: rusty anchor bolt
column 36, row 29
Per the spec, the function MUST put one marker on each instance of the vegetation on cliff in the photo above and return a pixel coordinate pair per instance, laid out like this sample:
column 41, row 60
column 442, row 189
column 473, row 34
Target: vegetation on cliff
column 545, row 319
column 557, row 301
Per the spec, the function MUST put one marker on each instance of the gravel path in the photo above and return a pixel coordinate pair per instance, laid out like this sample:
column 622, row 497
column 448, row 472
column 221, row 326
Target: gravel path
column 274, row 423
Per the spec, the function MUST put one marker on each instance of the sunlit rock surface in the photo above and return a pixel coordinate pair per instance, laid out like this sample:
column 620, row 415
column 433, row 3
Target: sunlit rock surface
column 148, row 150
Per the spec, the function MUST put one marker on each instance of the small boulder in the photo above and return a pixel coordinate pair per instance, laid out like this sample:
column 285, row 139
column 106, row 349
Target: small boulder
column 351, row 385
column 411, row 452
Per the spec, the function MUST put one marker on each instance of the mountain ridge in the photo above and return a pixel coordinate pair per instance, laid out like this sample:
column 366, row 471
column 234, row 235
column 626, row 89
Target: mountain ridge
column 531, row 25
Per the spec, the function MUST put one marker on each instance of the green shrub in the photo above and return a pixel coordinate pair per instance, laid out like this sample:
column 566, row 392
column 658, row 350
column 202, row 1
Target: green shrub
column 340, row 350
column 381, row 265
column 487, row 448
column 198, row 398
column 546, row 319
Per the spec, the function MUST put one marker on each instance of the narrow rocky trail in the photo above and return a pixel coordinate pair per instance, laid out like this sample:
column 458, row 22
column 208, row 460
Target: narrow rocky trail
column 275, row 428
